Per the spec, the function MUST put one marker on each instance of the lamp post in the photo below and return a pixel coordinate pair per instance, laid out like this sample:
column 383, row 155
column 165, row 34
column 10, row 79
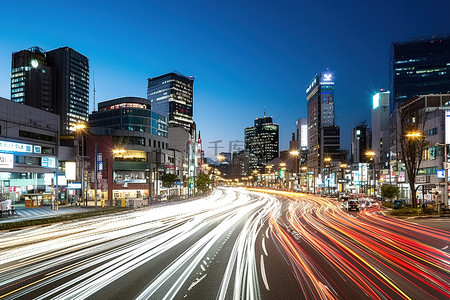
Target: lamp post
column 80, row 128
column 327, row 160
column 343, row 167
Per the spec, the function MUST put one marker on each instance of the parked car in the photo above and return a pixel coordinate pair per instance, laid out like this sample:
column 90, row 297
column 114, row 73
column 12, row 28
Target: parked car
column 399, row 203
column 351, row 204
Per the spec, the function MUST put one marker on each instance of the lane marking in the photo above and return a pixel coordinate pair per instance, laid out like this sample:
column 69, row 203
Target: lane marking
column 196, row 282
column 445, row 247
column 263, row 274
column 264, row 246
column 203, row 268
column 267, row 232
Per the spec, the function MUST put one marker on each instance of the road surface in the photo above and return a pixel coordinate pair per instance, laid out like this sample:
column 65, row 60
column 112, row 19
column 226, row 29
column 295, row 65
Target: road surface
column 234, row 244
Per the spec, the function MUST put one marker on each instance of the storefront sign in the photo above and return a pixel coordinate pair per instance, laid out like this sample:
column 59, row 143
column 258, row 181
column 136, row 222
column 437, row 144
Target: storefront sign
column 6, row 161
column 48, row 162
column 19, row 147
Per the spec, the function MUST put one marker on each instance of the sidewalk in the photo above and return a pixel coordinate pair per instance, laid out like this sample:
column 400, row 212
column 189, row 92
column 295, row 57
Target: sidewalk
column 388, row 210
column 32, row 213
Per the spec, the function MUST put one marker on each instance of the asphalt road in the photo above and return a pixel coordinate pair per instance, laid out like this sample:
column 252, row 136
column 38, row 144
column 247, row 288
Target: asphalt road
column 235, row 244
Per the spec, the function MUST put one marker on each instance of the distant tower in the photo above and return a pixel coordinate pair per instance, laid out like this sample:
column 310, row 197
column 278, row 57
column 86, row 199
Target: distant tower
column 361, row 142
column 261, row 140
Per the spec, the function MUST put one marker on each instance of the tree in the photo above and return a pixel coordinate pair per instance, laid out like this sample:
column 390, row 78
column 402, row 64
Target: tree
column 389, row 191
column 202, row 182
column 168, row 179
column 413, row 144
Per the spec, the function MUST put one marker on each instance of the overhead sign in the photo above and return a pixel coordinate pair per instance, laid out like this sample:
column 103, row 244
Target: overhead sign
column 6, row 161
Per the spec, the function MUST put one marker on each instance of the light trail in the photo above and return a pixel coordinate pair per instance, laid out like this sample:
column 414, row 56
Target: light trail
column 92, row 254
column 383, row 257
column 225, row 244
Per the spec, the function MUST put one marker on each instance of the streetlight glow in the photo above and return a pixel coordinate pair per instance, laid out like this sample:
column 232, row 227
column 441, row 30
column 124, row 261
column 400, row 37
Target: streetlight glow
column 413, row 134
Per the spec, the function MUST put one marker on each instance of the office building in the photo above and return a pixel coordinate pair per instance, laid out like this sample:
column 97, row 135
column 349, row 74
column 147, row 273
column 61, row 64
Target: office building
column 28, row 153
column 70, row 72
column 431, row 115
column 56, row 81
column 361, row 143
column 380, row 129
column 171, row 95
column 240, row 164
column 261, row 140
column 323, row 134
column 134, row 144
column 418, row 67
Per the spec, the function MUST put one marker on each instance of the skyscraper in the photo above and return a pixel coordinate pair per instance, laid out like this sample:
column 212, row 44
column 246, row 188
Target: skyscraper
column 420, row 66
column 323, row 134
column 262, row 142
column 172, row 95
column 361, row 143
column 56, row 81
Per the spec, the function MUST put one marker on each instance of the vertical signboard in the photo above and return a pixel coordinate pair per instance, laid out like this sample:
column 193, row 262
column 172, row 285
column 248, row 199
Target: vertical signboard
column 447, row 126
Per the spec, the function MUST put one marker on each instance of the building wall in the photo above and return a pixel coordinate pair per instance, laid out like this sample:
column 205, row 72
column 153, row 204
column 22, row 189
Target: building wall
column 419, row 67
column 21, row 124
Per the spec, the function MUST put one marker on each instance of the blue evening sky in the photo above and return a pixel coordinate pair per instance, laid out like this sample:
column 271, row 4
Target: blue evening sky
column 245, row 55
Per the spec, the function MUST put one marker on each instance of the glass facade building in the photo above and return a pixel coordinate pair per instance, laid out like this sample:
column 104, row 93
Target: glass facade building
column 323, row 134
column 129, row 113
column 420, row 66
column 171, row 95
column 262, row 141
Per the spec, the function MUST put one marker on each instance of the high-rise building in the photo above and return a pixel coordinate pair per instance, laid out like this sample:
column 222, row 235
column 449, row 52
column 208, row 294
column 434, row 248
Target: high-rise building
column 172, row 95
column 419, row 66
column 31, row 79
column 323, row 134
column 380, row 129
column 55, row 81
column 240, row 164
column 361, row 143
column 262, row 142
column 71, row 86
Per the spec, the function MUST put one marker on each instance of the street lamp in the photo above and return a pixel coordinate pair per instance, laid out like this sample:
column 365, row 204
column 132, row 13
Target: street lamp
column 327, row 160
column 343, row 167
column 80, row 128
column 371, row 154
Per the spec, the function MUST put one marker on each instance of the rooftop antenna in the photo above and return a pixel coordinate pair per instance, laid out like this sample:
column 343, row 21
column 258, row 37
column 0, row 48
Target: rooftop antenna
column 264, row 111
